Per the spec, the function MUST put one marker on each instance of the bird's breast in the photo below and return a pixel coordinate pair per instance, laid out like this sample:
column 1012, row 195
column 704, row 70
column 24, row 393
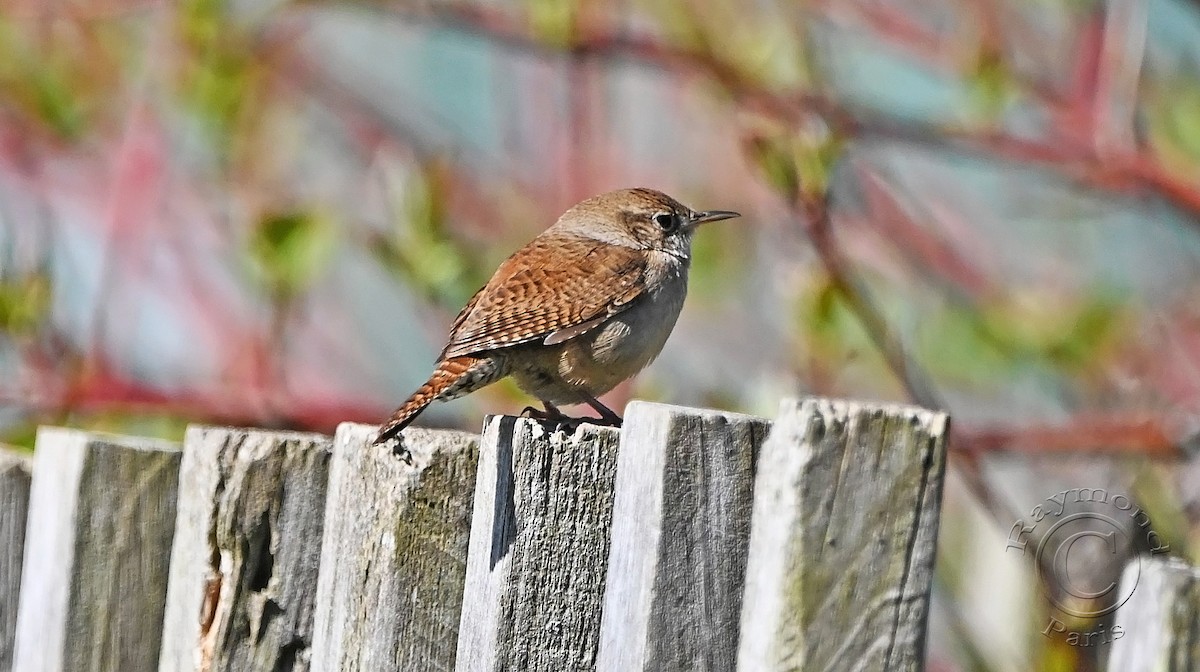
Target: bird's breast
column 627, row 342
column 594, row 362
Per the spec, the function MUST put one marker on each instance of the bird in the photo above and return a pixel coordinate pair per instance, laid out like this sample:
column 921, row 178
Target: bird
column 585, row 305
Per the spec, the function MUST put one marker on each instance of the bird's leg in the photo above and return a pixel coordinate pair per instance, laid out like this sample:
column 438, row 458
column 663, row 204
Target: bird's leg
column 607, row 416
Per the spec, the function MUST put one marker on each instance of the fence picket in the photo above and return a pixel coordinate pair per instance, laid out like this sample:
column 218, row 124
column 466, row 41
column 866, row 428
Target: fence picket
column 394, row 551
column 246, row 551
column 843, row 539
column 539, row 544
column 98, row 540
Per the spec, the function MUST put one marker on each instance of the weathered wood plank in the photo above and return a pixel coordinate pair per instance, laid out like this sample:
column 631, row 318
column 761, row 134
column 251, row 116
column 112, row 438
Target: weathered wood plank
column 539, row 545
column 98, row 541
column 844, row 532
column 1161, row 620
column 681, row 529
column 247, row 547
column 14, row 505
column 394, row 551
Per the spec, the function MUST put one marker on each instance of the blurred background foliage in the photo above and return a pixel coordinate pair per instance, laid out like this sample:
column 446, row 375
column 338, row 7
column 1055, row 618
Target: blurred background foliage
column 266, row 212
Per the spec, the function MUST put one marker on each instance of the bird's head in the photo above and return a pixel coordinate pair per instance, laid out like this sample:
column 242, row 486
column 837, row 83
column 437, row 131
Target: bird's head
column 639, row 218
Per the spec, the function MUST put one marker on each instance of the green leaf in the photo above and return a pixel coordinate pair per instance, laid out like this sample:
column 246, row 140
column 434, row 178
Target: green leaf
column 422, row 249
column 289, row 249
column 218, row 78
column 1084, row 335
column 775, row 159
column 1174, row 123
column 816, row 156
column 57, row 104
column 554, row 20
column 992, row 86
column 832, row 329
column 22, row 434
column 46, row 84
column 24, row 303
column 797, row 162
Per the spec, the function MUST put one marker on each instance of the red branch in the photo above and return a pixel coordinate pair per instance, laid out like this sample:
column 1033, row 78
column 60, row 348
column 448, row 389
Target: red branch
column 1098, row 434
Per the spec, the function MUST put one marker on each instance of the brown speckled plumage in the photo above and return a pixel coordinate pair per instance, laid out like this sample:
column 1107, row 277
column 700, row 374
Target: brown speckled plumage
column 586, row 304
column 540, row 289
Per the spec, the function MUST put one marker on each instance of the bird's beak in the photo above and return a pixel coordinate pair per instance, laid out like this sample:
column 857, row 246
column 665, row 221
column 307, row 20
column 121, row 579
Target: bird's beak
column 699, row 218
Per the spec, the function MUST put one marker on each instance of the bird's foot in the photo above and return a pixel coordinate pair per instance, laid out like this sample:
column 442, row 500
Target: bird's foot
column 563, row 421
column 551, row 416
column 554, row 415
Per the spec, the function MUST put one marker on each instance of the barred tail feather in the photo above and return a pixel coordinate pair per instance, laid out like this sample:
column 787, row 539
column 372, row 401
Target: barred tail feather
column 452, row 378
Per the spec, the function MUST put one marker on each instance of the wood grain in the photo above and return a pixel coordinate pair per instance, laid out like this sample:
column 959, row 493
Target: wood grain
column 101, row 521
column 246, row 552
column 15, row 480
column 394, row 551
column 681, row 530
column 843, row 539
column 539, row 546
column 1161, row 620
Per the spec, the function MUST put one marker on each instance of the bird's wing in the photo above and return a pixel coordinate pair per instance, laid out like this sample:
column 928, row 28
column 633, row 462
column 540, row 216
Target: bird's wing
column 556, row 289
column 462, row 317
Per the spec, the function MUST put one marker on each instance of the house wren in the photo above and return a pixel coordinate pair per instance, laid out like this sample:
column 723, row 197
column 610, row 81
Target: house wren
column 585, row 305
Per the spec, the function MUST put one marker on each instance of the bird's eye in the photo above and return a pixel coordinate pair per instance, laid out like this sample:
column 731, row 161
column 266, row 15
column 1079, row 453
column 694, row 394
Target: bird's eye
column 667, row 221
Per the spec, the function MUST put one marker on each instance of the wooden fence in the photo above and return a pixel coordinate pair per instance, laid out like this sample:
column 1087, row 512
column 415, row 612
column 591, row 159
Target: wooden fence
column 688, row 540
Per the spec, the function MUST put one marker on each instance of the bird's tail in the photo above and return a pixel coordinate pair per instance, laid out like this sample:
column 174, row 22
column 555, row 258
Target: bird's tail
column 452, row 378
